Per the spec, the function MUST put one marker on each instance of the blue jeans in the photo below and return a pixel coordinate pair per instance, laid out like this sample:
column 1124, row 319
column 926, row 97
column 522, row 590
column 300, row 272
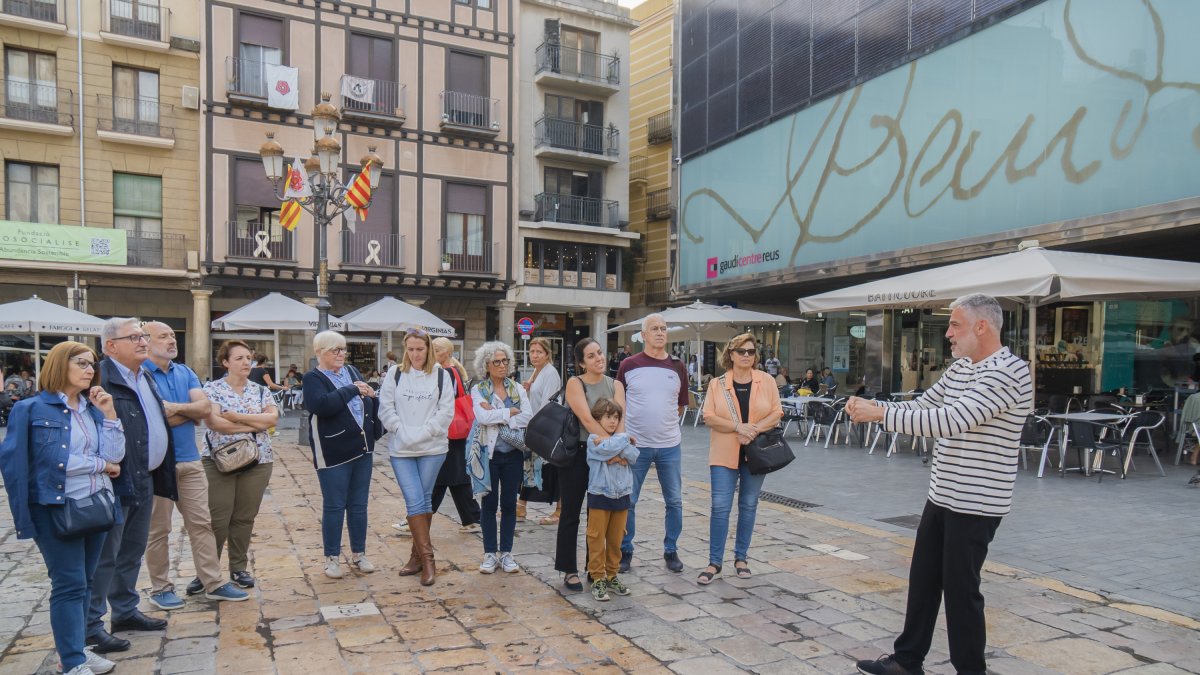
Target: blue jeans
column 724, row 480
column 345, row 490
column 507, row 470
column 668, row 464
column 70, row 563
column 416, row 476
column 114, row 583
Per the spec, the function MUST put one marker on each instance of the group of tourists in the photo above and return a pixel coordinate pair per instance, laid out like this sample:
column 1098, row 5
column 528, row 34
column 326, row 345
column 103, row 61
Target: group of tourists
column 122, row 432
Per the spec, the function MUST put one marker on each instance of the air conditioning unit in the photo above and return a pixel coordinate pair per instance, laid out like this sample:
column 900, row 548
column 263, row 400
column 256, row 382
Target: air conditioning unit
column 191, row 98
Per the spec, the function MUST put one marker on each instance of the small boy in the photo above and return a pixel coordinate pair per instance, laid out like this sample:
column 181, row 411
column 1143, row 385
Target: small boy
column 610, row 482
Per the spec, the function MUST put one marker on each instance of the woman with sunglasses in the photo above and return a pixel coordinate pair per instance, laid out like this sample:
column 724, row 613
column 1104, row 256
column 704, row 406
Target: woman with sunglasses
column 496, row 467
column 64, row 443
column 416, row 404
column 739, row 405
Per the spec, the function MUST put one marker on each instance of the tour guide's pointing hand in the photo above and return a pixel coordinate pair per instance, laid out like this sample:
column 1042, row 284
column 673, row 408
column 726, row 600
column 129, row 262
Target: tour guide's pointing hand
column 862, row 410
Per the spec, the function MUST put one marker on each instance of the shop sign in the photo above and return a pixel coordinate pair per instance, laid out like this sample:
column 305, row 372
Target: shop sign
column 62, row 243
column 858, row 332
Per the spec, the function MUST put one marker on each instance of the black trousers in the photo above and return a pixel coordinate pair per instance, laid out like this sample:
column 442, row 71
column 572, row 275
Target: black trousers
column 947, row 558
column 572, row 492
column 464, row 501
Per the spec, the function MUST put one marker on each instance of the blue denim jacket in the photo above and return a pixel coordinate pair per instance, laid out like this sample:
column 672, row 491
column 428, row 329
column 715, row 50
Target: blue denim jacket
column 610, row 480
column 34, row 455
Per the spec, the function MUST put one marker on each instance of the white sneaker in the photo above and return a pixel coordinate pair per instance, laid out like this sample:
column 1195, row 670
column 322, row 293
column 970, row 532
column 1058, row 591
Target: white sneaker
column 489, row 563
column 360, row 561
column 402, row 528
column 333, row 570
column 81, row 670
column 508, row 564
column 98, row 664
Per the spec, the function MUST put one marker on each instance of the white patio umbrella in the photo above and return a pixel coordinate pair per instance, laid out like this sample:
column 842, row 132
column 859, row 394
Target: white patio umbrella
column 36, row 316
column 710, row 323
column 389, row 314
column 274, row 312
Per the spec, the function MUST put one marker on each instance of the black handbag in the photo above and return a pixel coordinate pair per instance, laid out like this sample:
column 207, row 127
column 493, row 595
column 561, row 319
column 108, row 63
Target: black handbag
column 769, row 451
column 553, row 433
column 85, row 515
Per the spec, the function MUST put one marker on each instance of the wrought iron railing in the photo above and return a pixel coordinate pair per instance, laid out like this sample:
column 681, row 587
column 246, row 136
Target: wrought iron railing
column 637, row 168
column 576, row 210
column 244, row 77
column 41, row 10
column 658, row 128
column 372, row 97
column 655, row 291
column 143, row 19
column 578, row 63
column 571, row 135
column 372, row 249
column 658, row 204
column 477, row 257
column 469, row 110
column 252, row 240
column 135, row 116
column 156, row 249
column 47, row 104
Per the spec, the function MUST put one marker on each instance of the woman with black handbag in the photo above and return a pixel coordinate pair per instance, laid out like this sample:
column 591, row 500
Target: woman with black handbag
column 63, row 447
column 739, row 406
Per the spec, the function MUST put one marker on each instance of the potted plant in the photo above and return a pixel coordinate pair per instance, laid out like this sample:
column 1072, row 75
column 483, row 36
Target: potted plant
column 445, row 261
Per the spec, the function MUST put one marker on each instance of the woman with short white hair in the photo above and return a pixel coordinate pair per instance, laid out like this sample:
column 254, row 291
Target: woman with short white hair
column 501, row 408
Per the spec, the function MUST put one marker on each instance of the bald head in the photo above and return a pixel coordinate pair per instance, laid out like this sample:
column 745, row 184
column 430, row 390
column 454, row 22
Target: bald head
column 163, row 347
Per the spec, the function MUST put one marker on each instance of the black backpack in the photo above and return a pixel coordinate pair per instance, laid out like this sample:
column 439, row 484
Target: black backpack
column 553, row 433
column 441, row 372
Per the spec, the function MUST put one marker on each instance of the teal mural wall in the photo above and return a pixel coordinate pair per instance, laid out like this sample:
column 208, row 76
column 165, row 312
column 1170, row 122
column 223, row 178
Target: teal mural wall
column 1070, row 108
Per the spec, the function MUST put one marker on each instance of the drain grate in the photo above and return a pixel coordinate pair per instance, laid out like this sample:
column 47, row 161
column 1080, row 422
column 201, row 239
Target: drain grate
column 911, row 522
column 786, row 501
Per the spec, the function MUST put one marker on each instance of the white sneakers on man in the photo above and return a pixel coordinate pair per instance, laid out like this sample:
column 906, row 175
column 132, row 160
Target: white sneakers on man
column 333, row 569
column 95, row 664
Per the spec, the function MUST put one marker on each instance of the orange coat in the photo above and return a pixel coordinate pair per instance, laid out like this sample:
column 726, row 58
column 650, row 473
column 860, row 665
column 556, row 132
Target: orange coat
column 723, row 447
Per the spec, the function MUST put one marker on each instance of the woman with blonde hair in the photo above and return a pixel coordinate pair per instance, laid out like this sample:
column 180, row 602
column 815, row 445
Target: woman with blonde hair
column 739, row 405
column 453, row 474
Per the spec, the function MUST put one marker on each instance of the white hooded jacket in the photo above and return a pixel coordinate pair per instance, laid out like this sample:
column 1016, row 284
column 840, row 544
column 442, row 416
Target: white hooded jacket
column 416, row 418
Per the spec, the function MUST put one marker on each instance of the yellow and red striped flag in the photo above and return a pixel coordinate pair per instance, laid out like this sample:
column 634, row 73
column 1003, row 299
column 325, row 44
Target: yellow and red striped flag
column 358, row 194
column 289, row 215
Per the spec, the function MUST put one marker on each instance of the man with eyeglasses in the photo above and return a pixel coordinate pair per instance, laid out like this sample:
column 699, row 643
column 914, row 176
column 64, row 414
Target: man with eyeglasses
column 148, row 470
column 655, row 395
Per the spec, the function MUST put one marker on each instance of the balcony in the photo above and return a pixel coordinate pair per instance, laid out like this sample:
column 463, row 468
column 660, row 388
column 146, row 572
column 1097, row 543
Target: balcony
column 469, row 257
column 469, row 114
column 40, row 15
column 637, row 170
column 246, row 81
column 40, row 108
column 658, row 205
column 378, row 101
column 658, row 128
column 135, row 121
column 156, row 250
column 372, row 250
column 251, row 241
column 143, row 24
column 577, row 70
column 569, row 140
column 556, row 208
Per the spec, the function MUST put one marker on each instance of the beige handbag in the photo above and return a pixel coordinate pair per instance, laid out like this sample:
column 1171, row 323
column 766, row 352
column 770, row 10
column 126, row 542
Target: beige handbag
column 234, row 456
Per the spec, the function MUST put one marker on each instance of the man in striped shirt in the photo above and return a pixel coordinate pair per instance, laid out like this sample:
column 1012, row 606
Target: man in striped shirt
column 975, row 411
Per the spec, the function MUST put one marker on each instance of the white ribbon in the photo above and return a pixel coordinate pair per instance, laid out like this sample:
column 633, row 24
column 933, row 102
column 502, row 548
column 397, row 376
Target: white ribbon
column 373, row 253
column 262, row 238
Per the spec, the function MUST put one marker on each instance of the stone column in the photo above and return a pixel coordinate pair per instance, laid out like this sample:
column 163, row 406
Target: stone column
column 200, row 347
column 600, row 326
column 508, row 321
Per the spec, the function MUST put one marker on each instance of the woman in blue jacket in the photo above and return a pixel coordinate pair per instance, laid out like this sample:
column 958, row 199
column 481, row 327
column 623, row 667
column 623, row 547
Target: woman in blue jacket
column 64, row 443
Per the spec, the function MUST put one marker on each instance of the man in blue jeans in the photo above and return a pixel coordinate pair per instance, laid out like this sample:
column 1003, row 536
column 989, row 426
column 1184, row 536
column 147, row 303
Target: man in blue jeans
column 655, row 395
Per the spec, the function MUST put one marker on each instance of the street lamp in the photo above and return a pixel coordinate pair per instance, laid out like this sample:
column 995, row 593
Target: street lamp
column 328, row 192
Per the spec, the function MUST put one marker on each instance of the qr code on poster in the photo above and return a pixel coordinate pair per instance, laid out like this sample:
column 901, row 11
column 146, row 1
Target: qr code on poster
column 101, row 246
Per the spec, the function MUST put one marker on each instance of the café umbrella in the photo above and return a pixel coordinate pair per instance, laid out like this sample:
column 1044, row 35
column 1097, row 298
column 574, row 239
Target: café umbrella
column 36, row 316
column 709, row 322
column 274, row 312
column 389, row 314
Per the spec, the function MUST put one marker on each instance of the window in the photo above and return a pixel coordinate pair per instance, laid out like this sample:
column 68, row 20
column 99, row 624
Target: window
column 42, row 10
column 587, row 266
column 135, row 101
column 30, row 85
column 32, row 193
column 137, row 209
column 256, row 215
column 466, row 225
column 466, row 90
column 136, row 18
column 260, row 43
column 580, row 52
column 481, row 4
column 373, row 58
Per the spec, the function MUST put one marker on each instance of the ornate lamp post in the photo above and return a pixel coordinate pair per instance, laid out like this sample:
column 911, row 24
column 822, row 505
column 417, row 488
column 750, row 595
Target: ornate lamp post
column 328, row 191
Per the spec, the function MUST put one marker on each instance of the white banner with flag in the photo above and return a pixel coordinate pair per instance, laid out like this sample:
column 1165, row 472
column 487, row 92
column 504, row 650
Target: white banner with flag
column 297, row 183
column 358, row 88
column 283, row 90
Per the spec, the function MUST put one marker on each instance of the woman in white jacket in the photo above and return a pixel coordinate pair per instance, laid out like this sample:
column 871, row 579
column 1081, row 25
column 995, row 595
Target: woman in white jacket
column 416, row 405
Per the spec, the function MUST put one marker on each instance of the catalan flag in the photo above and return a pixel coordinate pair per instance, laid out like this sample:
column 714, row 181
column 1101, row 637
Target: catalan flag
column 358, row 193
column 289, row 215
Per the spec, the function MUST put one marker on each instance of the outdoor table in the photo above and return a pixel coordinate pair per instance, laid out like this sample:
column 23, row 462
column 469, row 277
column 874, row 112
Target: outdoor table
column 801, row 400
column 1097, row 418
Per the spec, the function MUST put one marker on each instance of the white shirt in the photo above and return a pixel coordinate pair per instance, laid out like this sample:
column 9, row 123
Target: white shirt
column 413, row 412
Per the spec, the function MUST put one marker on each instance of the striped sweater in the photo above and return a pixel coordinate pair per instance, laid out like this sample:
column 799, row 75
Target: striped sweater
column 975, row 411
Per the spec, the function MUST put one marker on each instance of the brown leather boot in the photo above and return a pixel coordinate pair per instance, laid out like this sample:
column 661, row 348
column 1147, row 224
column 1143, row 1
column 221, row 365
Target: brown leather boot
column 413, row 566
column 425, row 548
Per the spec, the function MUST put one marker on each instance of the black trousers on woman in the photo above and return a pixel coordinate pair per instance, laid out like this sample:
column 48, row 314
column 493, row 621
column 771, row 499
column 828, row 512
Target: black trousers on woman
column 464, row 501
column 572, row 491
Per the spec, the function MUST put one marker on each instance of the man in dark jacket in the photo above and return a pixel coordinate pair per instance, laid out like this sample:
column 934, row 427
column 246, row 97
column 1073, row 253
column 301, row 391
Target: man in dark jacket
column 147, row 470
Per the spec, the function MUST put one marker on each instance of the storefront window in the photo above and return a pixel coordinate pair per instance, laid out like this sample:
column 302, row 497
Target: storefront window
column 1151, row 345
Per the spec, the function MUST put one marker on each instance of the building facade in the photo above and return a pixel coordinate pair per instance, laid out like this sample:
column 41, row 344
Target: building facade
column 427, row 87
column 573, row 149
column 826, row 144
column 99, row 134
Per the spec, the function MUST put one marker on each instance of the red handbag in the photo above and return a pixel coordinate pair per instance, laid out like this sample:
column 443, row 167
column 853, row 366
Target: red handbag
column 464, row 410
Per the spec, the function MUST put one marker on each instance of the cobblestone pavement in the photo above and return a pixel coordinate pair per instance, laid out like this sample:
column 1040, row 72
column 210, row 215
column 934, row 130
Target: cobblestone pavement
column 826, row 591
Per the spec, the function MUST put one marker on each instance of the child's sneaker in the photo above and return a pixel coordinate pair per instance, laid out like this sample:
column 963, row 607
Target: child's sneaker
column 600, row 590
column 616, row 587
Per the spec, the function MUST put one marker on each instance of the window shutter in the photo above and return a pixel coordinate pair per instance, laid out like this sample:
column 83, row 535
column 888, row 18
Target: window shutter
column 260, row 30
column 138, row 196
column 470, row 199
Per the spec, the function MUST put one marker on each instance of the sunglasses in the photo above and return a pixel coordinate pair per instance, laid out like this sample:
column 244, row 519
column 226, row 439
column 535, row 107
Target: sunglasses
column 745, row 352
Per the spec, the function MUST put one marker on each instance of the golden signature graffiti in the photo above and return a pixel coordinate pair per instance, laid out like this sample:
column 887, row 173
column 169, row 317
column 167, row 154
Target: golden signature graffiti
column 952, row 123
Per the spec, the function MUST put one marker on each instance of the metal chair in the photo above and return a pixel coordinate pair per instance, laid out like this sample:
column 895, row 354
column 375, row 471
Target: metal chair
column 820, row 415
column 840, row 419
column 793, row 414
column 1087, row 439
column 1144, row 423
column 1037, row 434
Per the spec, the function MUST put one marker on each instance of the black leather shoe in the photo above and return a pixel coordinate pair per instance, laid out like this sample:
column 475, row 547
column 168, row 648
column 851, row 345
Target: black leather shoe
column 242, row 579
column 105, row 643
column 673, row 562
column 138, row 621
column 195, row 587
column 626, row 561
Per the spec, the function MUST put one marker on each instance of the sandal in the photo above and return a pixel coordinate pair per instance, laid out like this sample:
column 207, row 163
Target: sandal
column 576, row 585
column 706, row 577
column 548, row 520
column 743, row 572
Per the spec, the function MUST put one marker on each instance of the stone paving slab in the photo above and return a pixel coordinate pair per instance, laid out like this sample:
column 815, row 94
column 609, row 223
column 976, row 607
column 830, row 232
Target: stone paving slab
column 811, row 607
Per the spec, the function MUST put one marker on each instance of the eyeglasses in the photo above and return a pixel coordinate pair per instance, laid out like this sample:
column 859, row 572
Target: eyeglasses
column 84, row 364
column 500, row 362
column 133, row 339
column 745, row 352
column 337, row 351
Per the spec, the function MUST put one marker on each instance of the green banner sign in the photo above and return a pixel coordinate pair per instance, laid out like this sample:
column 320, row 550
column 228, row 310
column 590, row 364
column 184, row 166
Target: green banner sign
column 61, row 243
